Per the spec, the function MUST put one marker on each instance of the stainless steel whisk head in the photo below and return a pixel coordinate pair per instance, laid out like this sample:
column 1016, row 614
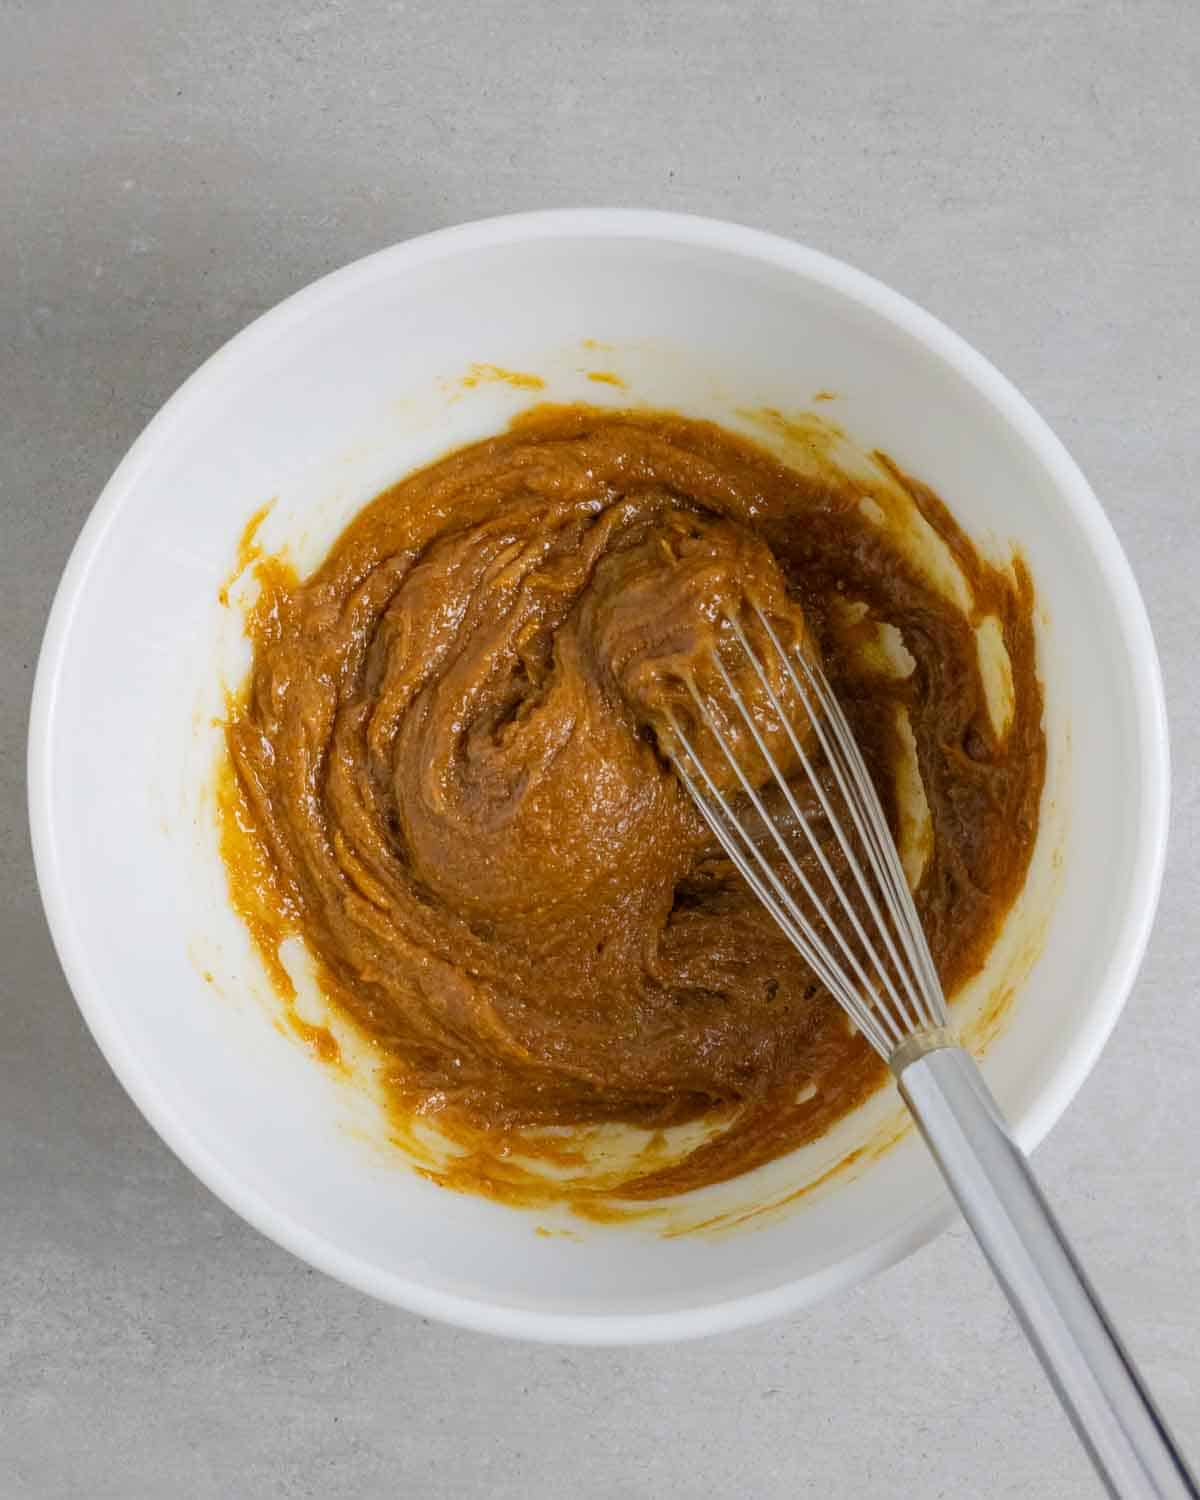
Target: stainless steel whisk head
column 875, row 961
column 889, row 987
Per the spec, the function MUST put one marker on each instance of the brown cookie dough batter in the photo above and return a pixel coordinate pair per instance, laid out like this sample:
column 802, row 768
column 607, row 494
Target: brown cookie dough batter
column 448, row 778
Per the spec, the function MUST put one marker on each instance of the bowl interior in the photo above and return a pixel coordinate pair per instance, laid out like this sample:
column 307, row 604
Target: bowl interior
column 316, row 407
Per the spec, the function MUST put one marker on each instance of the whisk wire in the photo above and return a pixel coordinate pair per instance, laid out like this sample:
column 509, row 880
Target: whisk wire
column 905, row 998
column 827, row 809
column 770, row 890
column 846, row 760
column 868, row 988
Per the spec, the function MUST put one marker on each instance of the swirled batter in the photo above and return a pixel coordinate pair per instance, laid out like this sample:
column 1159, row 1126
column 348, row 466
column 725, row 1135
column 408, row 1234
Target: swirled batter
column 450, row 780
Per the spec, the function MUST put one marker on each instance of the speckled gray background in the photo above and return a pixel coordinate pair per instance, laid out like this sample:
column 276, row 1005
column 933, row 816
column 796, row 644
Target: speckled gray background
column 1028, row 170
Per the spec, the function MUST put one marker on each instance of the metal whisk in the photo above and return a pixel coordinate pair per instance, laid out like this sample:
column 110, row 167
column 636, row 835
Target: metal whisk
column 876, row 962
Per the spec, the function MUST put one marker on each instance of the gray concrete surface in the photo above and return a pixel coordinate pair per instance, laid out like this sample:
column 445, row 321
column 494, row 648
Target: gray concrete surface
column 168, row 170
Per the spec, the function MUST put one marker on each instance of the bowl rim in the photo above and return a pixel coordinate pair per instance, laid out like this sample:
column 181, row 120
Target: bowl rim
column 755, row 245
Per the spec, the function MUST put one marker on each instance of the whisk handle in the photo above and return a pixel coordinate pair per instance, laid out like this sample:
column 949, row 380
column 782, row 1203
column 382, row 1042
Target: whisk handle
column 1095, row 1378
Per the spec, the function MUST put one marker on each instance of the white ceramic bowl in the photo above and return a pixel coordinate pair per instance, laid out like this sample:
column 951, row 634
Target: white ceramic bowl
column 345, row 387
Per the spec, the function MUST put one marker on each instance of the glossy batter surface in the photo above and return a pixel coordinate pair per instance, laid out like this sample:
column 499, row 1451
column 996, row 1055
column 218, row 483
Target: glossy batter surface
column 449, row 779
